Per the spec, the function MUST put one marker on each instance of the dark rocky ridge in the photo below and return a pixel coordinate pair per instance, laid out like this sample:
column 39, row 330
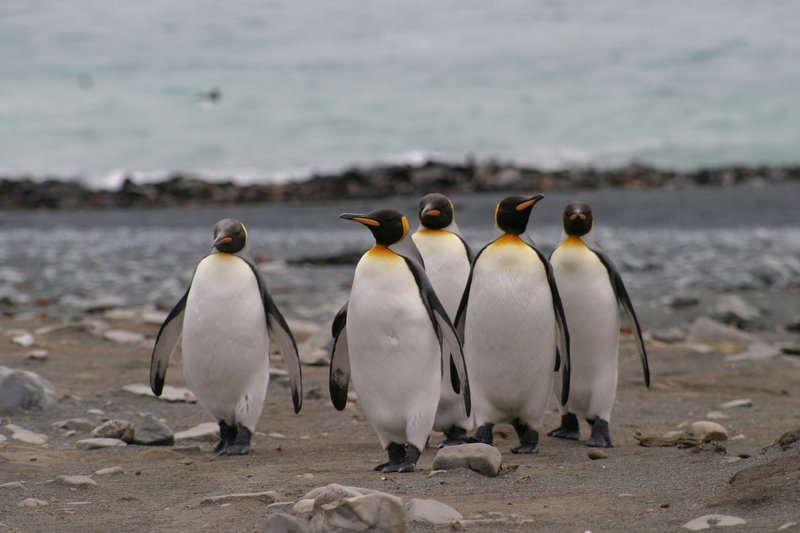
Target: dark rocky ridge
column 185, row 189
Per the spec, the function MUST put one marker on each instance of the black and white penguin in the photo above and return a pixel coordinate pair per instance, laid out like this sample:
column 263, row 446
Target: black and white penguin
column 447, row 259
column 225, row 321
column 514, row 331
column 592, row 292
column 393, row 338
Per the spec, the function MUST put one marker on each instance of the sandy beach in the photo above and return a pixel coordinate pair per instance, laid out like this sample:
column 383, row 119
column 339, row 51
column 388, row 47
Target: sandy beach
column 658, row 487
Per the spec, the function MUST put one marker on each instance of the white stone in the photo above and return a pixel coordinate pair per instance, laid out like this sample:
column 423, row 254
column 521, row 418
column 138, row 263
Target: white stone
column 263, row 497
column 25, row 389
column 713, row 520
column 757, row 351
column 78, row 481
column 741, row 402
column 155, row 318
column 733, row 308
column 76, row 424
column 304, row 506
column 27, row 436
column 115, row 429
column 479, row 457
column 334, row 491
column 709, row 431
column 169, row 393
column 25, row 339
column 284, row 523
column 122, row 336
column 707, row 331
column 302, row 329
column 37, row 355
column 277, row 435
column 430, row 512
column 96, row 412
column 96, row 444
column 110, row 471
column 372, row 512
column 32, row 502
column 716, row 415
column 12, row 485
column 786, row 526
column 206, row 431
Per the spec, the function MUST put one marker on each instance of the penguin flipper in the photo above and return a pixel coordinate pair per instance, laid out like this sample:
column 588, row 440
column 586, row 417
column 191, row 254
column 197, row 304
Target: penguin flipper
column 339, row 378
column 167, row 338
column 563, row 348
column 451, row 350
column 625, row 302
column 406, row 249
column 461, row 314
column 279, row 332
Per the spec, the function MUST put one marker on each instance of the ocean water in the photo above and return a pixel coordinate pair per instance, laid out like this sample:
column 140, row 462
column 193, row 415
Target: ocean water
column 97, row 88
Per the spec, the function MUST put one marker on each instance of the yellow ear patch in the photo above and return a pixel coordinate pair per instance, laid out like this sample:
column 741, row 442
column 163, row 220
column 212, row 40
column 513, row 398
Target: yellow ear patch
column 245, row 231
column 367, row 221
column 405, row 226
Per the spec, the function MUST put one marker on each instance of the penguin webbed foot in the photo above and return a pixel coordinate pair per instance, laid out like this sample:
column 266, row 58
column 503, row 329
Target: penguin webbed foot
column 483, row 435
column 568, row 429
column 454, row 437
column 401, row 459
column 227, row 436
column 600, row 437
column 241, row 445
column 528, row 439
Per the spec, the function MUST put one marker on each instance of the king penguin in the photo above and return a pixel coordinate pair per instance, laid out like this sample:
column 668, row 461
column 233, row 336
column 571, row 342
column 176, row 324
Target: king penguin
column 447, row 258
column 393, row 338
column 591, row 291
column 514, row 330
column 225, row 321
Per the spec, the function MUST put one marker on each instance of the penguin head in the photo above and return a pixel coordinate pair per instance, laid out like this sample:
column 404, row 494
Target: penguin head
column 577, row 219
column 387, row 225
column 513, row 212
column 230, row 236
column 435, row 211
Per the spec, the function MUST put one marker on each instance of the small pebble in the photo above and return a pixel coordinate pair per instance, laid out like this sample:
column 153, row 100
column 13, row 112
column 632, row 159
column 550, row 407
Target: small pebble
column 597, row 454
column 32, row 502
column 110, row 470
column 79, row 481
column 12, row 485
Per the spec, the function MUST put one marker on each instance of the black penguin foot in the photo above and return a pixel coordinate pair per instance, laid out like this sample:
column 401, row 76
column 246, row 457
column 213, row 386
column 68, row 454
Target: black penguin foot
column 483, row 435
column 408, row 463
column 240, row 446
column 227, row 436
column 568, row 429
column 397, row 454
column 528, row 439
column 600, row 437
column 455, row 436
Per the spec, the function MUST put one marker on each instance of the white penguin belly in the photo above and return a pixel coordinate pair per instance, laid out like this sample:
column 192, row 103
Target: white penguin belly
column 590, row 307
column 225, row 340
column 394, row 352
column 447, row 266
column 510, row 335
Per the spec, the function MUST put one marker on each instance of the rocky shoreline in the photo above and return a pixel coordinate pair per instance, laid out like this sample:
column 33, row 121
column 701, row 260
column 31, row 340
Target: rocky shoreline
column 187, row 189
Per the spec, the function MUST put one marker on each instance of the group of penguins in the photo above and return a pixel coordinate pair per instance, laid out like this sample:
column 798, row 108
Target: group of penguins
column 433, row 336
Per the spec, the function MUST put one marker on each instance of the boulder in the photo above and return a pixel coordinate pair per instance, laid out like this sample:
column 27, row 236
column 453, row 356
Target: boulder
column 24, row 389
column 479, row 457
column 705, row 330
column 115, row 429
column 153, row 432
column 732, row 309
column 208, row 431
column 372, row 512
column 430, row 512
column 284, row 523
column 708, row 431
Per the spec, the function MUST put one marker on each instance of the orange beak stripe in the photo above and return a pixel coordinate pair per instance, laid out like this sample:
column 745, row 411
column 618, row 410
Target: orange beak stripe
column 225, row 240
column 434, row 212
column 525, row 205
column 368, row 221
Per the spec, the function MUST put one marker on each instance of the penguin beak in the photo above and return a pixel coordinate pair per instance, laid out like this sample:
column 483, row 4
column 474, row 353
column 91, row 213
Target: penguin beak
column 431, row 213
column 363, row 219
column 529, row 202
column 223, row 239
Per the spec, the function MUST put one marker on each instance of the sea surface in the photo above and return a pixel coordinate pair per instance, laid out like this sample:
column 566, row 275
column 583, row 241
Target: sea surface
column 99, row 88
column 695, row 243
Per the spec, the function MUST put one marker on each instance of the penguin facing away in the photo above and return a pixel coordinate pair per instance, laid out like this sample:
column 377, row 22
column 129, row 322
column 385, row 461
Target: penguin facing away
column 592, row 292
column 226, row 319
column 514, row 330
column 393, row 338
column 447, row 259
